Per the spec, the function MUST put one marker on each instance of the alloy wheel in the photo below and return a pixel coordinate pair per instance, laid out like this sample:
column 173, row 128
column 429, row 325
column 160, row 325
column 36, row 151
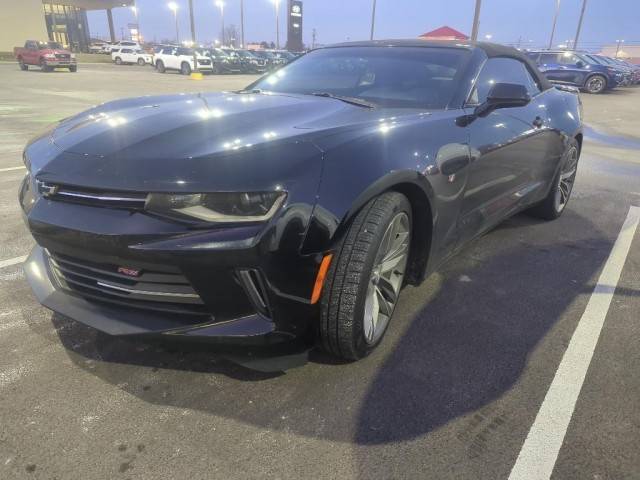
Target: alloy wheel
column 386, row 278
column 567, row 178
column 595, row 84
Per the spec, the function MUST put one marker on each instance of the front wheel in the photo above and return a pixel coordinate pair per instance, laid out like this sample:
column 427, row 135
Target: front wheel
column 73, row 68
column 141, row 62
column 44, row 67
column 160, row 66
column 365, row 278
column 118, row 61
column 185, row 68
column 596, row 84
column 556, row 201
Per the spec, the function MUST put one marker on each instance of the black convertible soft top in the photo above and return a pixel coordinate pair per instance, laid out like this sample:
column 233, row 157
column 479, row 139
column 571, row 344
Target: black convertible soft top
column 492, row 50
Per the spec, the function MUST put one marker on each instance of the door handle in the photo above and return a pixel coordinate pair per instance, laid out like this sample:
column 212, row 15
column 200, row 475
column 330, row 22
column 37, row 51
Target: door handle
column 538, row 122
column 450, row 167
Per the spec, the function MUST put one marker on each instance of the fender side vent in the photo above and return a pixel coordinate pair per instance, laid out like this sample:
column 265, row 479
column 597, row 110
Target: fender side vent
column 253, row 284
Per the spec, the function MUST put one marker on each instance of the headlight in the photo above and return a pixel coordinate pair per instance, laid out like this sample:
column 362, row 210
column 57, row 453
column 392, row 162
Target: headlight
column 216, row 207
column 73, row 56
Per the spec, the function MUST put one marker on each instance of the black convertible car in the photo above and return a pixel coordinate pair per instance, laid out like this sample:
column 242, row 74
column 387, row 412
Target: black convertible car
column 300, row 206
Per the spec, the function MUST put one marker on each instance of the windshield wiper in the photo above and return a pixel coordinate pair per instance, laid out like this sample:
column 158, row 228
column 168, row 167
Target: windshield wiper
column 253, row 90
column 351, row 100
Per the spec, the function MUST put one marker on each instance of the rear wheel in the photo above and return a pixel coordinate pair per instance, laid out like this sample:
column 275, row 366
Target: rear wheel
column 556, row 201
column 185, row 68
column 23, row 66
column 365, row 278
column 160, row 66
column 141, row 62
column 596, row 84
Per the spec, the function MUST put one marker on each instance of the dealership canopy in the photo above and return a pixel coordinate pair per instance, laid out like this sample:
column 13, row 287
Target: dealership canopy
column 444, row 33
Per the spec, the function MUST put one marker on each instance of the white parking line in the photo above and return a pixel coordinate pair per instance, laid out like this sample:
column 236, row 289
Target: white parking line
column 10, row 169
column 12, row 261
column 542, row 445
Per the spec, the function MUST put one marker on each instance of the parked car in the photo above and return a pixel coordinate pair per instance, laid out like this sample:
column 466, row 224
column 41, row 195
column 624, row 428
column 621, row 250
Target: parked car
column 222, row 62
column 284, row 56
column 248, row 61
column 577, row 69
column 123, row 44
column 627, row 72
column 300, row 206
column 106, row 47
column 46, row 55
column 97, row 47
column 181, row 59
column 131, row 55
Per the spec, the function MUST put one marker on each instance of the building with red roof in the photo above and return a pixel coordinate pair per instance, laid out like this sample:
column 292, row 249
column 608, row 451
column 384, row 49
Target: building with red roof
column 444, row 33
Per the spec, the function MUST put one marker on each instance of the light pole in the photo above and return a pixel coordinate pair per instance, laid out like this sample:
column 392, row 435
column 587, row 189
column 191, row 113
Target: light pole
column 584, row 7
column 555, row 20
column 618, row 47
column 277, row 5
column 373, row 18
column 220, row 5
column 173, row 6
column 134, row 9
column 476, row 21
column 242, row 23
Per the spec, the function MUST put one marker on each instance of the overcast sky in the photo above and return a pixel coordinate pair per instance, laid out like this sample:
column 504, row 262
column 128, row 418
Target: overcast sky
column 339, row 20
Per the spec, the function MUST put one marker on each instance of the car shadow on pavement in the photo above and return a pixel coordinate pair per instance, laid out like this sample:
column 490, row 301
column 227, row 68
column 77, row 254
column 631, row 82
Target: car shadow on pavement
column 457, row 343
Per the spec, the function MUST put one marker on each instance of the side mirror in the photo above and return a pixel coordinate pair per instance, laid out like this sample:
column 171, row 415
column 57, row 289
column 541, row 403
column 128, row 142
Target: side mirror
column 503, row 95
column 580, row 64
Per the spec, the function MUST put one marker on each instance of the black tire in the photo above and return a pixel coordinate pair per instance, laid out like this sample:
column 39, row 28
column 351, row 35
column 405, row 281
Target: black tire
column 216, row 69
column 118, row 61
column 141, row 62
column 549, row 208
column 185, row 68
column 23, row 66
column 595, row 84
column 44, row 67
column 73, row 68
column 341, row 326
column 160, row 66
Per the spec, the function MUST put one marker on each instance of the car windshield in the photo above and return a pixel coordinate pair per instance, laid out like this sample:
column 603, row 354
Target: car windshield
column 411, row 77
column 50, row 46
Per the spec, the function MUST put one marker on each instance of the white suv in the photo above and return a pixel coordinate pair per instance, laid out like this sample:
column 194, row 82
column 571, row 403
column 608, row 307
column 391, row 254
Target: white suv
column 130, row 55
column 181, row 59
column 123, row 44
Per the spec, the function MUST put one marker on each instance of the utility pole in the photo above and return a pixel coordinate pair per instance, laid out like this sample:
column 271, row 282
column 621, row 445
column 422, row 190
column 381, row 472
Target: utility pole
column 618, row 47
column 373, row 19
column 476, row 21
column 242, row 23
column 193, row 36
column 313, row 39
column 555, row 20
column 575, row 42
column 277, row 2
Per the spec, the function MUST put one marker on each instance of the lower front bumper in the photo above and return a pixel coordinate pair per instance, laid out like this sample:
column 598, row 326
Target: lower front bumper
column 252, row 329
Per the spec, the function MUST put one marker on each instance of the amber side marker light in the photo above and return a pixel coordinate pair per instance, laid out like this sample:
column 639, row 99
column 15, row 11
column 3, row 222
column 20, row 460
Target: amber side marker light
column 322, row 274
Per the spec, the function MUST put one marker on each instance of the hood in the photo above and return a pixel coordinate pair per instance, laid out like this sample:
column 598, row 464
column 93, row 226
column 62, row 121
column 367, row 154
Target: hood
column 171, row 128
column 154, row 142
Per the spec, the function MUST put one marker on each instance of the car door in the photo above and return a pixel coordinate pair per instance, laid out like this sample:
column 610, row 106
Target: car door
column 509, row 149
column 31, row 53
column 564, row 67
column 126, row 55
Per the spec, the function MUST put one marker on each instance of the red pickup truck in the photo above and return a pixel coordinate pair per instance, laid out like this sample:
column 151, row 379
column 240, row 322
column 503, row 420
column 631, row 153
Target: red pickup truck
column 46, row 55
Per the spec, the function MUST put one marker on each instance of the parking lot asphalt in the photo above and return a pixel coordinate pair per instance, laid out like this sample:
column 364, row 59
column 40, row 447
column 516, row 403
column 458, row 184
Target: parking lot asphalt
column 453, row 392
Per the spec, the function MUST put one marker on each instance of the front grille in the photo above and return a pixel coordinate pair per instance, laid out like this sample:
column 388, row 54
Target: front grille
column 63, row 56
column 92, row 197
column 164, row 289
column 204, row 62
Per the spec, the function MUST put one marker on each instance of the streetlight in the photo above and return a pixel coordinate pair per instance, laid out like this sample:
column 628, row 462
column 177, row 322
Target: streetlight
column 220, row 5
column 555, row 20
column 488, row 36
column 618, row 47
column 476, row 21
column 173, row 6
column 277, row 3
column 134, row 9
column 584, row 7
